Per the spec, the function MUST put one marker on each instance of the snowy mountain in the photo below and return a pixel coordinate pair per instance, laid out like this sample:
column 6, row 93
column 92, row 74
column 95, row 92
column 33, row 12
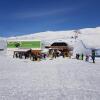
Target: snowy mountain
column 48, row 35
column 90, row 36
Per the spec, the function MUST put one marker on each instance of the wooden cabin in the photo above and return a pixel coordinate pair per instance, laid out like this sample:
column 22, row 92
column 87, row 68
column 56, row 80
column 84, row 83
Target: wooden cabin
column 60, row 46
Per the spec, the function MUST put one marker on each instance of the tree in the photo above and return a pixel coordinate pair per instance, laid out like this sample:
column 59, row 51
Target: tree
column 17, row 44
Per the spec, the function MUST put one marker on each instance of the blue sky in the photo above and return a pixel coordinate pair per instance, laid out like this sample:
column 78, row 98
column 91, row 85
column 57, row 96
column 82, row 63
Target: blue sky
column 18, row 17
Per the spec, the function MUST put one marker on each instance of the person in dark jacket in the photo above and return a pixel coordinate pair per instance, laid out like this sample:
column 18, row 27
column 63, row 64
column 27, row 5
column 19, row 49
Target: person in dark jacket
column 93, row 56
column 82, row 56
column 87, row 58
column 77, row 56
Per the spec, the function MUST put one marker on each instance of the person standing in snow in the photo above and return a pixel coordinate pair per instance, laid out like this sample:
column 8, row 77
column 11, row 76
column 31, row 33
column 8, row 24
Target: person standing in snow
column 87, row 58
column 82, row 56
column 77, row 56
column 63, row 54
column 93, row 56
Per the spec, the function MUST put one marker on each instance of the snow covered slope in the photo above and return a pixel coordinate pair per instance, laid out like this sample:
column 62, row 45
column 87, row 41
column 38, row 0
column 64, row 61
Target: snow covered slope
column 91, row 37
column 48, row 35
column 3, row 45
column 58, row 79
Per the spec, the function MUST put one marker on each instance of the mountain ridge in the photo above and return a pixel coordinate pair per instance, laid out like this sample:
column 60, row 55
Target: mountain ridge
column 58, row 34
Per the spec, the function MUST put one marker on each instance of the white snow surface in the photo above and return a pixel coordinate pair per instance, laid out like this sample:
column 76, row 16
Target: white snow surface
column 58, row 79
column 3, row 46
column 2, row 43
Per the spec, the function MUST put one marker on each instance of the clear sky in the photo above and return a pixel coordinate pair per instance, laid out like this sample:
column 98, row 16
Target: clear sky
column 19, row 17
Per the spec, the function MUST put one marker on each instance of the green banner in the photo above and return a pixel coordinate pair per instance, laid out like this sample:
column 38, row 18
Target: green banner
column 24, row 44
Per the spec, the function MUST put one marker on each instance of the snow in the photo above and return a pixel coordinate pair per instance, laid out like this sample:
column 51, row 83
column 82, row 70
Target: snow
column 2, row 43
column 48, row 35
column 58, row 79
column 3, row 46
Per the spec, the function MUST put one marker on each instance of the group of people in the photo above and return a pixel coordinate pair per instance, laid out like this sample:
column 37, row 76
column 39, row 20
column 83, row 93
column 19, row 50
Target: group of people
column 57, row 53
column 87, row 57
column 20, row 55
column 32, row 56
column 38, row 56
column 52, row 54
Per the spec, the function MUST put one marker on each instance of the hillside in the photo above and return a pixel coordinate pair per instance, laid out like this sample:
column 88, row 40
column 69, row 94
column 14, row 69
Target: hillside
column 90, row 36
column 59, row 34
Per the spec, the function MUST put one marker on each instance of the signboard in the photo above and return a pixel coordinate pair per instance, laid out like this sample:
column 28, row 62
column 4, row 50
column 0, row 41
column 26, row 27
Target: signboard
column 24, row 44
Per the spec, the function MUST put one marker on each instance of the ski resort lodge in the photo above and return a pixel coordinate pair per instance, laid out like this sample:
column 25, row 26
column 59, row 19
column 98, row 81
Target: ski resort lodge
column 60, row 45
column 37, row 46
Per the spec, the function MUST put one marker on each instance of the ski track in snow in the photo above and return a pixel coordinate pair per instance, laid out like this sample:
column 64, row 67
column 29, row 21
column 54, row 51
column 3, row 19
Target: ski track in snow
column 58, row 79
